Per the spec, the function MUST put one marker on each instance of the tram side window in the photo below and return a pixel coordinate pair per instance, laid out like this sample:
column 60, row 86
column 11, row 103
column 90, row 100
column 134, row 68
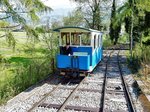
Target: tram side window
column 98, row 41
column 86, row 39
column 101, row 41
column 94, row 41
column 65, row 38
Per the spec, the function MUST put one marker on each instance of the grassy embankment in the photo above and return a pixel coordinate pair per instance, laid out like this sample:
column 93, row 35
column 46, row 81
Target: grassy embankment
column 140, row 66
column 28, row 64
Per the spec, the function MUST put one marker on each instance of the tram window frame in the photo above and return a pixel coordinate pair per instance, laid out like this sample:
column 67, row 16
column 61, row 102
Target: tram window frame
column 98, row 41
column 85, row 39
column 65, row 38
column 94, row 41
column 75, row 38
column 101, row 39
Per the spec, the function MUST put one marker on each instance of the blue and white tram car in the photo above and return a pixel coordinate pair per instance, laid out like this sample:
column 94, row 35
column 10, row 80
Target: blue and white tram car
column 86, row 47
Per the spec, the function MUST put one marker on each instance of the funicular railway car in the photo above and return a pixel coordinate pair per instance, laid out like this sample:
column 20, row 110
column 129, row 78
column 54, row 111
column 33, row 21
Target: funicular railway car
column 86, row 50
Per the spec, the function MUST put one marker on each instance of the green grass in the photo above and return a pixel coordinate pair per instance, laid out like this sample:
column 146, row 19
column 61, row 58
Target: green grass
column 106, row 41
column 29, row 63
column 20, row 60
column 140, row 61
column 141, row 54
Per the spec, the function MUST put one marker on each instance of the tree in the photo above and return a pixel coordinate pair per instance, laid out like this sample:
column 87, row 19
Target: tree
column 147, row 22
column 134, row 13
column 143, row 4
column 92, row 12
column 126, row 14
column 17, row 12
column 75, row 18
column 114, row 31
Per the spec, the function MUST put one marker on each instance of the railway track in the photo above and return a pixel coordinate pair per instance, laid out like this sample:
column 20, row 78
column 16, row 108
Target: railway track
column 107, row 88
column 103, row 90
column 48, row 103
column 115, row 90
column 43, row 102
column 92, row 85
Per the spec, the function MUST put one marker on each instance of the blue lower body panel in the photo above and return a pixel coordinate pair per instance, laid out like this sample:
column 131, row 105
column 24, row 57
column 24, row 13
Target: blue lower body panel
column 96, row 57
column 79, row 62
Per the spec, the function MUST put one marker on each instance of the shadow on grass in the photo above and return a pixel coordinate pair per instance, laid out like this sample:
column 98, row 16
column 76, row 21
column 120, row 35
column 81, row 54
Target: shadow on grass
column 20, row 60
column 39, row 50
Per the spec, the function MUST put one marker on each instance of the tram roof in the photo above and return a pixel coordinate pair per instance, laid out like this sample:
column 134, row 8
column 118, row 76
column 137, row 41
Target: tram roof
column 75, row 29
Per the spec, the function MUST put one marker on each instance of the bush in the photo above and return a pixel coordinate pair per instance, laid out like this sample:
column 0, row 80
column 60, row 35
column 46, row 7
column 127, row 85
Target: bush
column 106, row 41
column 1, row 58
column 27, row 65
column 22, row 77
column 140, row 55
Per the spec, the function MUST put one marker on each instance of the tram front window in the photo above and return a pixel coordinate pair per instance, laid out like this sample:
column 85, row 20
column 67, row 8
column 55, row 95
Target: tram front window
column 80, row 39
column 75, row 39
column 65, row 38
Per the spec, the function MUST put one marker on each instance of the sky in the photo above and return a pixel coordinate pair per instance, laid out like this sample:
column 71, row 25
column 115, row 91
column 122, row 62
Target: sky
column 59, row 4
column 60, row 9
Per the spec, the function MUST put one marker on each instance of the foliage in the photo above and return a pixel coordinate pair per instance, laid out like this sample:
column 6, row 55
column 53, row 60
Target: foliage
column 146, row 40
column 10, row 39
column 140, row 55
column 56, row 24
column 75, row 18
column 136, row 18
column 114, row 31
column 3, row 23
column 25, row 6
column 18, row 11
column 91, row 11
column 106, row 41
column 143, row 4
column 27, row 65
column 123, row 38
column 146, row 24
column 22, row 76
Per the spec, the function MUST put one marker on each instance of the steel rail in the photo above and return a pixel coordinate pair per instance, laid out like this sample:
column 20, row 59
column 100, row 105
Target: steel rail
column 40, row 83
column 63, row 106
column 48, row 94
column 104, row 85
column 126, row 91
column 128, row 97
column 37, row 84
column 38, row 103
